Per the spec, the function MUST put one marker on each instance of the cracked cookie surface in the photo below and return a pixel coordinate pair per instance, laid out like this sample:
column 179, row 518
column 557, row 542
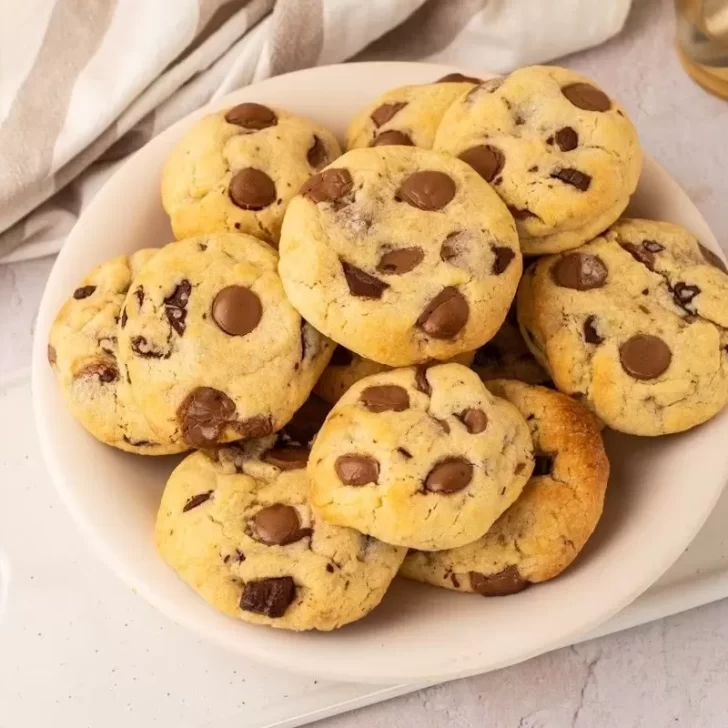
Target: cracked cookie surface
column 211, row 346
column 420, row 457
column 83, row 351
column 237, row 170
column 636, row 323
column 562, row 154
column 237, row 527
column 401, row 255
column 558, row 510
column 408, row 115
column 346, row 368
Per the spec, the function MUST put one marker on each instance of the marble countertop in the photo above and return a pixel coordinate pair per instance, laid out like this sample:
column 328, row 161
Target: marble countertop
column 669, row 673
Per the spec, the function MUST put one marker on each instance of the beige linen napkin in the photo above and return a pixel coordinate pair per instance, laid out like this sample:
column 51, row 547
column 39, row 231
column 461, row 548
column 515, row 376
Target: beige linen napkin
column 84, row 83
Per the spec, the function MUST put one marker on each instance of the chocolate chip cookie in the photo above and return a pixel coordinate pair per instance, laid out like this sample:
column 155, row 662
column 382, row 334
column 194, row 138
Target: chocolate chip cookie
column 636, row 323
column 561, row 153
column 237, row 527
column 549, row 524
column 346, row 368
column 211, row 347
column 407, row 116
column 237, row 169
column 420, row 457
column 506, row 356
column 401, row 255
column 82, row 349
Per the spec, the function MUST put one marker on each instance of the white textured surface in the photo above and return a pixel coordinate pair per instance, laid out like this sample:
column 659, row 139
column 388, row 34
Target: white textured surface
column 670, row 673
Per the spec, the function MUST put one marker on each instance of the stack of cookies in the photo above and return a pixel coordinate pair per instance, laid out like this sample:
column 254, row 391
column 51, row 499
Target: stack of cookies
column 370, row 382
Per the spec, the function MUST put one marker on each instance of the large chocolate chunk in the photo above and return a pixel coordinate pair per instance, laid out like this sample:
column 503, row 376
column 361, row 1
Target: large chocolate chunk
column 392, row 137
column 252, row 189
column 288, row 457
column 361, row 284
column 278, row 525
column 449, row 476
column 644, row 356
column 505, row 582
column 397, row 262
column 427, row 190
column 356, row 469
column 175, row 306
column 251, row 116
column 579, row 271
column 585, row 96
column 445, row 315
column 237, row 310
column 485, row 159
column 270, row 597
column 328, row 186
column 203, row 415
column 384, row 113
column 385, row 398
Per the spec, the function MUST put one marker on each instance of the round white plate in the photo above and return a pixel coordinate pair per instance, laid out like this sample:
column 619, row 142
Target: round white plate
column 660, row 492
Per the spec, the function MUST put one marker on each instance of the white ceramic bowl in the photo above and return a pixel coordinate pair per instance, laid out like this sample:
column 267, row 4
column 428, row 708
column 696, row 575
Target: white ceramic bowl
column 661, row 490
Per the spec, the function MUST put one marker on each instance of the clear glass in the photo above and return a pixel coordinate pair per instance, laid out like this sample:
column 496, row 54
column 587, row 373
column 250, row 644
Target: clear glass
column 702, row 42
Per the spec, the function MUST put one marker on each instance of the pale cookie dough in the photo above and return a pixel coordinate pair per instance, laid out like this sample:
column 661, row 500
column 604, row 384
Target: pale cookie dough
column 562, row 154
column 346, row 368
column 549, row 524
column 237, row 170
column 400, row 254
column 420, row 457
column 635, row 323
column 82, row 349
column 212, row 348
column 506, row 356
column 408, row 115
column 237, row 527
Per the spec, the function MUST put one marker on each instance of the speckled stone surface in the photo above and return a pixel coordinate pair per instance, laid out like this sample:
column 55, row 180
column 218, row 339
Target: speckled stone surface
column 670, row 673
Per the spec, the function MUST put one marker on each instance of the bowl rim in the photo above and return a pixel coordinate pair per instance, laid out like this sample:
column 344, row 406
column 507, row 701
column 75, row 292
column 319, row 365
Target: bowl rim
column 447, row 669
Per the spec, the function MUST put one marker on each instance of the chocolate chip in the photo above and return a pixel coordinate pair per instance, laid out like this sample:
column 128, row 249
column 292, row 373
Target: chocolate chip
column 579, row 271
column 572, row 177
column 237, row 310
column 458, row 78
column 652, row 246
column 521, row 466
column 449, row 476
column 83, row 292
column 454, row 581
column 341, row 357
column 251, row 116
column 644, row 356
column 406, row 454
column 587, row 97
column 442, row 424
column 253, row 427
column 543, row 464
column 385, row 398
column 289, row 457
column 278, row 525
column 392, row 137
column 139, row 293
column 684, row 293
column 51, row 355
column 590, row 331
column 175, row 306
column 427, row 190
column 567, row 139
column 141, row 347
column 330, row 568
column 475, row 420
column 124, row 317
column 454, row 245
column 196, row 500
column 486, row 160
column 317, row 155
column 520, row 213
column 445, row 315
column 106, row 373
column 252, row 189
column 361, row 284
column 384, row 113
column 505, row 582
column 712, row 258
column 397, row 262
column 270, row 597
column 307, row 420
column 421, row 382
column 503, row 258
column 203, row 415
column 356, row 469
column 328, row 186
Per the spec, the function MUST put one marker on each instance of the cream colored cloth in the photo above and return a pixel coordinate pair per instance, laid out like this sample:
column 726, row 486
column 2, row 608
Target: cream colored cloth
column 83, row 83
